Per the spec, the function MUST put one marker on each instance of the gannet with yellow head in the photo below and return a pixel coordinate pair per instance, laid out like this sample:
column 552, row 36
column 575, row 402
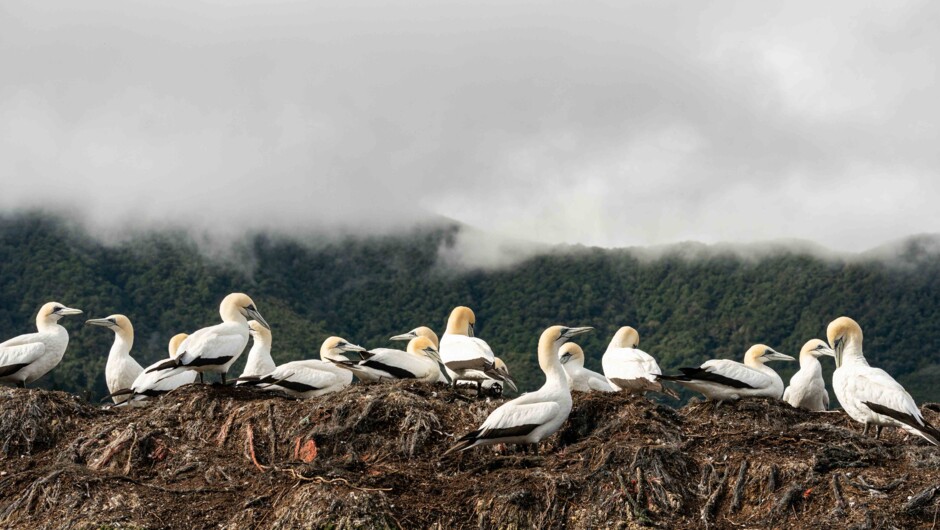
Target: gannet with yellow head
column 421, row 361
column 869, row 395
column 629, row 368
column 307, row 379
column 215, row 348
column 466, row 357
column 259, row 361
column 121, row 369
column 723, row 380
column 580, row 379
column 26, row 358
column 153, row 383
column 807, row 388
column 533, row 416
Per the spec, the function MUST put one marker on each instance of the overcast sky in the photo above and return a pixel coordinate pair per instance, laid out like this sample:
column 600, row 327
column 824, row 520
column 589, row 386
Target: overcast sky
column 622, row 123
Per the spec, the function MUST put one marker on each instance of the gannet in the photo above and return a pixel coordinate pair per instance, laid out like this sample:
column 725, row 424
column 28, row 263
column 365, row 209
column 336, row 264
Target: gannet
column 26, row 358
column 153, row 383
column 807, row 388
column 581, row 379
column 535, row 415
column 869, row 395
column 723, row 380
column 307, row 379
column 259, row 361
column 629, row 368
column 421, row 361
column 465, row 356
column 420, row 331
column 121, row 369
column 215, row 348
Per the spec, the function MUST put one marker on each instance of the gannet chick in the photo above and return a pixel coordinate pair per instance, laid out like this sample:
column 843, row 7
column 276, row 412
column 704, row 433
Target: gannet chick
column 121, row 369
column 723, row 380
column 807, row 388
column 466, row 357
column 215, row 348
column 535, row 415
column 421, row 361
column 259, row 361
column 307, row 379
column 629, row 368
column 869, row 395
column 150, row 384
column 580, row 379
column 26, row 358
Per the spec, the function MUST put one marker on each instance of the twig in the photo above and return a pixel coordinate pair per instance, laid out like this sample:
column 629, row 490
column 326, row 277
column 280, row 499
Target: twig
column 272, row 434
column 739, row 487
column 837, row 493
column 250, row 446
column 323, row 480
column 639, row 487
column 223, row 432
column 788, row 499
column 708, row 511
column 921, row 499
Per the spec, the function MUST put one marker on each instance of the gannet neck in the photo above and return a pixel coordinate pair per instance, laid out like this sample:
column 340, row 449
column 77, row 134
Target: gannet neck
column 626, row 337
column 754, row 358
column 575, row 353
column 424, row 331
column 48, row 317
column 175, row 342
column 808, row 360
column 845, row 337
column 123, row 343
column 461, row 321
column 548, row 355
column 230, row 310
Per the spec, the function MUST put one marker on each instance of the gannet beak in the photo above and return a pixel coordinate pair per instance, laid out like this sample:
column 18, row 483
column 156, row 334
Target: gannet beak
column 775, row 356
column 470, row 330
column 826, row 350
column 571, row 332
column 253, row 313
column 432, row 353
column 351, row 347
column 565, row 358
column 837, row 351
column 103, row 322
column 69, row 311
column 404, row 336
column 509, row 381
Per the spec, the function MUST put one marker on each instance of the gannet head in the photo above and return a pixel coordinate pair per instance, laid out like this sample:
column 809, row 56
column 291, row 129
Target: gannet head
column 760, row 354
column 816, row 348
column 240, row 304
column 119, row 324
column 571, row 352
column 552, row 340
column 461, row 321
column 626, row 337
column 843, row 332
column 420, row 331
column 51, row 312
column 424, row 346
column 258, row 332
column 175, row 344
column 334, row 347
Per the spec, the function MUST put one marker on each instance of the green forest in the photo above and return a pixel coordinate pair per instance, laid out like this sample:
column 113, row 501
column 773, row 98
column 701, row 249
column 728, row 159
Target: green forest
column 689, row 302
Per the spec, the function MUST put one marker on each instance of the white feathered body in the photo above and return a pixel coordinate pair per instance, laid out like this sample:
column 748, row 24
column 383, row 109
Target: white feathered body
column 807, row 388
column 765, row 382
column 855, row 382
column 631, row 369
column 149, row 385
column 392, row 364
column 466, row 357
column 41, row 352
column 547, row 407
column 307, row 379
column 581, row 379
column 121, row 370
column 259, row 361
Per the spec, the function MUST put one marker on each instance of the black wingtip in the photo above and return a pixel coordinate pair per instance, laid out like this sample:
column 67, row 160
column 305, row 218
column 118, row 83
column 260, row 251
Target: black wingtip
column 165, row 365
column 929, row 431
column 116, row 393
column 464, row 442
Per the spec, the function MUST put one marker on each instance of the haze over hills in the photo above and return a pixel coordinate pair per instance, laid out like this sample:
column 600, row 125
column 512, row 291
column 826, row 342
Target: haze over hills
column 689, row 301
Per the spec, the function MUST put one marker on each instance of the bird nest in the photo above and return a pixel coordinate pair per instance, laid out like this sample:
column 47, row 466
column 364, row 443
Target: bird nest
column 371, row 456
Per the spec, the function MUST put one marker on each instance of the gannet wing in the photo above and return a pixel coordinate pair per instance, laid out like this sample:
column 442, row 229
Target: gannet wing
column 874, row 385
column 20, row 340
column 514, row 419
column 728, row 373
column 299, row 377
column 211, row 346
column 460, row 352
column 14, row 358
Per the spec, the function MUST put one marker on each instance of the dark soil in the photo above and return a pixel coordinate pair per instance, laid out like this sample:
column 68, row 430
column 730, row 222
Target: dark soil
column 213, row 457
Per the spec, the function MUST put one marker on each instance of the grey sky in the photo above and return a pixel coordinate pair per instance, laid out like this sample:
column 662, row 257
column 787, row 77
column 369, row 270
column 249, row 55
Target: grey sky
column 621, row 123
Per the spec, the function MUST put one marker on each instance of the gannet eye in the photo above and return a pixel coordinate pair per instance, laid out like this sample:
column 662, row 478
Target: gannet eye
column 112, row 320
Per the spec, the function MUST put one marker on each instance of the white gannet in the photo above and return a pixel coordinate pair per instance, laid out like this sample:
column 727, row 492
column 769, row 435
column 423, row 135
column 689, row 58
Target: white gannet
column 421, row 361
column 367, row 376
column 215, row 348
column 259, row 361
column 869, row 395
column 155, row 383
column 307, row 379
column 581, row 379
column 535, row 415
column 723, row 380
column 807, row 388
column 629, row 368
column 121, row 369
column 26, row 358
column 466, row 357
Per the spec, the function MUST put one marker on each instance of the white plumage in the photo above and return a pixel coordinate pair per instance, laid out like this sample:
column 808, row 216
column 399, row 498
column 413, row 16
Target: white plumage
column 807, row 388
column 466, row 357
column 121, row 370
column 724, row 380
column 215, row 348
column 259, row 360
column 153, row 381
column 421, row 361
column 629, row 368
column 535, row 415
column 869, row 395
column 26, row 358
column 307, row 379
column 580, row 379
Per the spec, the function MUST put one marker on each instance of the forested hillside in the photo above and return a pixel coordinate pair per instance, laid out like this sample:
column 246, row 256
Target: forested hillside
column 689, row 302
